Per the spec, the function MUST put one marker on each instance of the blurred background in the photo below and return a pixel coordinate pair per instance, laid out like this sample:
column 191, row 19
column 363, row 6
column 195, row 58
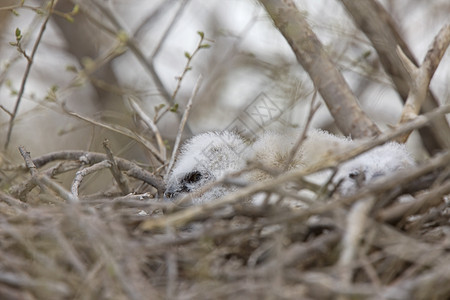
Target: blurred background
column 95, row 55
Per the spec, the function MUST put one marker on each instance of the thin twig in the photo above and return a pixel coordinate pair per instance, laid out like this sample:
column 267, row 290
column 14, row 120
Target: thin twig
column 188, row 67
column 43, row 180
column 149, row 122
column 121, row 180
column 79, row 176
column 182, row 123
column 121, row 130
column 148, row 65
column 312, row 111
column 27, row 72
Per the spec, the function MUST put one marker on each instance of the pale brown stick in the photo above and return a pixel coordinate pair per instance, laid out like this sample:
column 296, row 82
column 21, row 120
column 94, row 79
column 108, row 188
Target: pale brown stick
column 421, row 77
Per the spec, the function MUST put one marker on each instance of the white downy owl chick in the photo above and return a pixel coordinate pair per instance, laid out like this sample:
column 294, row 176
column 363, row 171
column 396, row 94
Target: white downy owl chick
column 377, row 162
column 364, row 168
column 206, row 158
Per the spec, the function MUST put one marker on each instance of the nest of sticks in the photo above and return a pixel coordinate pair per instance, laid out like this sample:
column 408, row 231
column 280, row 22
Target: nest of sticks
column 124, row 242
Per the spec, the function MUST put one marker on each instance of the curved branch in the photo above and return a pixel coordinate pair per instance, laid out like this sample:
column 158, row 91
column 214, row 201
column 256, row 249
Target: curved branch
column 94, row 157
column 341, row 102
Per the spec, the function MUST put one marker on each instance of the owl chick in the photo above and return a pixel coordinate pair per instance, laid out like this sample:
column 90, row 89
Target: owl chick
column 377, row 162
column 206, row 158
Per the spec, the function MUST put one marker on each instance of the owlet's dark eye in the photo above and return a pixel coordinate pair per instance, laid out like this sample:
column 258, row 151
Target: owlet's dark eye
column 353, row 175
column 193, row 177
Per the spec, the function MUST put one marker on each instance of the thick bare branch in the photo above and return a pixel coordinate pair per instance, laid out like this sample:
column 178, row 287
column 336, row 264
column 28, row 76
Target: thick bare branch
column 310, row 53
column 421, row 77
column 379, row 27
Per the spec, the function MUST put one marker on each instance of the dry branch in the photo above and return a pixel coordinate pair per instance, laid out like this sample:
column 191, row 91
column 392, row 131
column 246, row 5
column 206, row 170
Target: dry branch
column 122, row 130
column 117, row 174
column 310, row 53
column 149, row 122
column 421, row 77
column 379, row 27
column 43, row 180
column 86, row 157
column 79, row 176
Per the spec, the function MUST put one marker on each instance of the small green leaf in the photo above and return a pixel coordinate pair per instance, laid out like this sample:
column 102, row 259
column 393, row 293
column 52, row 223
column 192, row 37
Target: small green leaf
column 68, row 18
column 201, row 34
column 15, row 12
column 187, row 55
column 75, row 9
column 188, row 68
column 366, row 54
column 205, row 46
column 174, row 108
column 71, row 68
column 18, row 34
column 122, row 36
column 159, row 107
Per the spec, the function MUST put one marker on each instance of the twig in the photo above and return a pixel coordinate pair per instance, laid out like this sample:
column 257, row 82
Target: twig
column 188, row 67
column 79, row 176
column 341, row 102
column 148, row 21
column 421, row 77
column 22, row 189
column 42, row 180
column 149, row 122
column 312, row 111
column 12, row 201
column 30, row 60
column 420, row 204
column 182, row 124
column 121, row 130
column 92, row 158
column 169, row 28
column 356, row 227
column 117, row 174
column 172, row 266
column 148, row 65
